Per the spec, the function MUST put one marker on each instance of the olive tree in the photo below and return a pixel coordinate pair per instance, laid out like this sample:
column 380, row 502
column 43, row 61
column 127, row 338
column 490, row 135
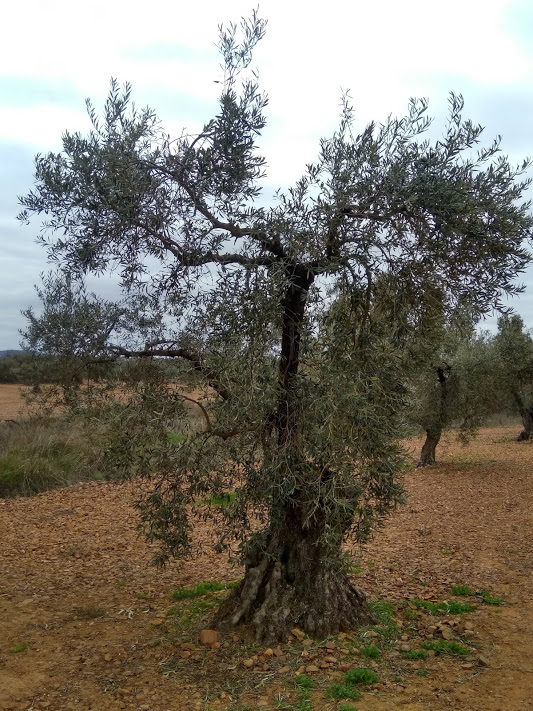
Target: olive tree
column 453, row 388
column 69, row 334
column 513, row 364
column 300, row 420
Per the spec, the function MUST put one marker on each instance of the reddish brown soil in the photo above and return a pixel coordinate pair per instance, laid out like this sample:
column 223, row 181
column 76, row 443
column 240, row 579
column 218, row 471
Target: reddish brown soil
column 72, row 569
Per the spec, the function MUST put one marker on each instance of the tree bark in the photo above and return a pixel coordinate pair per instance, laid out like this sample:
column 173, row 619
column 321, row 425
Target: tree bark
column 292, row 578
column 434, row 431
column 427, row 455
column 527, row 421
column 289, row 582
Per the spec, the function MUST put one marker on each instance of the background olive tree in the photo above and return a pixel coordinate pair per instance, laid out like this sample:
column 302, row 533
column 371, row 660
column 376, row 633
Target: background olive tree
column 513, row 368
column 300, row 419
column 453, row 388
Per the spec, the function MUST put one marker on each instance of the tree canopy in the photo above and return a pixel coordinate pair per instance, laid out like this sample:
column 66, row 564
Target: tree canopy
column 303, row 405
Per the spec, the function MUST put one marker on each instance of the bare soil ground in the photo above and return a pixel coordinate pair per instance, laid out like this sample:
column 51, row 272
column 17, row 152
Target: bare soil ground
column 84, row 620
column 11, row 402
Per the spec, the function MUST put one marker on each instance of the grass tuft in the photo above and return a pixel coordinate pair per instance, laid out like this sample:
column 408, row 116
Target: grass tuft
column 371, row 652
column 415, row 654
column 202, row 589
column 343, row 691
column 444, row 647
column 304, row 682
column 450, row 607
column 360, row 675
column 461, row 590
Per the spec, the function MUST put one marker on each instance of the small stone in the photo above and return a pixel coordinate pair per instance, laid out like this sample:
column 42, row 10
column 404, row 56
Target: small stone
column 311, row 668
column 108, row 657
column 268, row 653
column 469, row 626
column 185, row 654
column 307, row 642
column 447, row 633
column 144, row 707
column 216, row 645
column 330, row 645
column 344, row 650
column 330, row 660
column 405, row 648
column 341, row 636
column 300, row 670
column 284, row 670
column 345, row 667
column 483, row 661
column 298, row 634
column 370, row 633
column 188, row 645
column 277, row 651
column 208, row 637
column 248, row 663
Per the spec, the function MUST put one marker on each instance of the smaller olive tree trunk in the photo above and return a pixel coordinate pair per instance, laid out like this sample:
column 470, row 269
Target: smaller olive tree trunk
column 434, row 431
column 527, row 421
column 427, row 455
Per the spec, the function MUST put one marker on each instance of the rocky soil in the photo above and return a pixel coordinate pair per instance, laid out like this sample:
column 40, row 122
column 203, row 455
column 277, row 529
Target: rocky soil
column 87, row 623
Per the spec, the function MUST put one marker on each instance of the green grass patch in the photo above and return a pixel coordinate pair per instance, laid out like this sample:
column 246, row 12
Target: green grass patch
column 19, row 647
column 461, row 590
column 449, row 607
column 450, row 648
column 347, row 707
column 221, row 500
column 304, row 682
column 202, row 589
column 371, row 651
column 415, row 654
column 488, row 599
column 382, row 611
column 421, row 672
column 340, row 692
column 360, row 675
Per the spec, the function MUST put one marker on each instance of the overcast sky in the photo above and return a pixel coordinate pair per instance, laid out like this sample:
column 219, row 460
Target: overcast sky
column 56, row 53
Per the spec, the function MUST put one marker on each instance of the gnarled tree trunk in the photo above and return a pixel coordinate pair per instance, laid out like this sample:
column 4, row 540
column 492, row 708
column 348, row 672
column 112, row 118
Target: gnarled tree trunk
column 427, row 455
column 434, row 431
column 289, row 582
column 527, row 421
column 291, row 577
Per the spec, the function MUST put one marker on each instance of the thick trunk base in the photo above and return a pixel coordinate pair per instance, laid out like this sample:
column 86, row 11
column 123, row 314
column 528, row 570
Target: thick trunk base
column 287, row 585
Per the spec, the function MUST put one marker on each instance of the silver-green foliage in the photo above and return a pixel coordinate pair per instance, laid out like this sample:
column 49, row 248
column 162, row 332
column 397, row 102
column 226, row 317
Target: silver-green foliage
column 304, row 406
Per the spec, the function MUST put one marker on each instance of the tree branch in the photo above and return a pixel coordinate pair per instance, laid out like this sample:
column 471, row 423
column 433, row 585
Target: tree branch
column 193, row 358
column 272, row 245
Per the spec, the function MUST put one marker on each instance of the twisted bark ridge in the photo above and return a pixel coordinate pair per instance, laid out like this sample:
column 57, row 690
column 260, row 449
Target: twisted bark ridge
column 288, row 582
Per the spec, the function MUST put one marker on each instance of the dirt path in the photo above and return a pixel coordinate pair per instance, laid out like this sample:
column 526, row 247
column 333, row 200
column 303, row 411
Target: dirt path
column 84, row 624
